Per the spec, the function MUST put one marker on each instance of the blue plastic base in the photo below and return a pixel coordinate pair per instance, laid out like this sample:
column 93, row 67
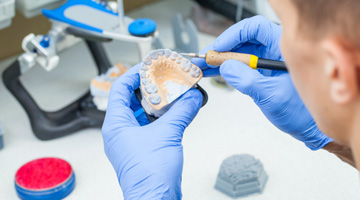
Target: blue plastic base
column 56, row 193
column 60, row 15
column 142, row 27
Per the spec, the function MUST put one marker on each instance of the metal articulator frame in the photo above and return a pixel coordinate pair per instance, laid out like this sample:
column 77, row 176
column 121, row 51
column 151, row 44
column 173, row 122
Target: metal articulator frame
column 80, row 114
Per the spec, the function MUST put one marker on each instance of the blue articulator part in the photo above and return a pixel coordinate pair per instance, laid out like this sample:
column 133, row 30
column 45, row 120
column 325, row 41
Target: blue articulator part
column 142, row 27
column 65, row 14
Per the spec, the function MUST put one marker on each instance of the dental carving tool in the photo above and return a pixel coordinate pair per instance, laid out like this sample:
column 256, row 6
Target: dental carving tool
column 217, row 58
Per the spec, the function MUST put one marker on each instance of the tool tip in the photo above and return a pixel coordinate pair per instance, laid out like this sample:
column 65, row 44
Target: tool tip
column 193, row 55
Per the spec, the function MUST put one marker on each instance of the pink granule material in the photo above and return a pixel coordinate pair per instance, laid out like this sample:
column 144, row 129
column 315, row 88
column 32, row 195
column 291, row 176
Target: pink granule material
column 43, row 173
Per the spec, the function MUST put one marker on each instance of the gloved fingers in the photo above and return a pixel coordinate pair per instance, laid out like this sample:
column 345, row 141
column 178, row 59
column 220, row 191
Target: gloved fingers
column 250, row 48
column 119, row 112
column 258, row 50
column 271, row 51
column 142, row 119
column 315, row 139
column 271, row 73
column 200, row 62
column 257, row 30
column 323, row 141
column 182, row 112
column 211, row 72
column 242, row 77
column 138, row 111
column 134, row 103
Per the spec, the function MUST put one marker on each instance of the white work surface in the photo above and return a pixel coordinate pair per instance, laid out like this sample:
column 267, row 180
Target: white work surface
column 229, row 124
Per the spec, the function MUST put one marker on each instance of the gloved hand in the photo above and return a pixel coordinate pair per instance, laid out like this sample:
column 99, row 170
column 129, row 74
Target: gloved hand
column 272, row 91
column 148, row 160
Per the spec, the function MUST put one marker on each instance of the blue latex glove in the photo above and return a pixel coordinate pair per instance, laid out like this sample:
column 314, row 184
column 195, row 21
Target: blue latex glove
column 272, row 91
column 148, row 159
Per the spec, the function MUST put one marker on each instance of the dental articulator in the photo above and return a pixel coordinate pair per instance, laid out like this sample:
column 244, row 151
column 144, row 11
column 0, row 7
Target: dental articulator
column 95, row 22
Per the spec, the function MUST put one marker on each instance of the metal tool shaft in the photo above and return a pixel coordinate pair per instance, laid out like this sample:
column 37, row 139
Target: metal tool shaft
column 193, row 55
column 121, row 15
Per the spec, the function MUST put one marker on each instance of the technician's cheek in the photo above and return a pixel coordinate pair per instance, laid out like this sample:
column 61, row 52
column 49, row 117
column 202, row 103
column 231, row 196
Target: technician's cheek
column 286, row 52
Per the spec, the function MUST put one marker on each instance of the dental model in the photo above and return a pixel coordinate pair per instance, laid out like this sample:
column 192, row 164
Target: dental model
column 165, row 75
column 100, row 85
column 241, row 175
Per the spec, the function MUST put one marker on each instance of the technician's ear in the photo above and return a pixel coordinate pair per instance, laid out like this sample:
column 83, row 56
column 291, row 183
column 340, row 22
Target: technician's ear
column 342, row 68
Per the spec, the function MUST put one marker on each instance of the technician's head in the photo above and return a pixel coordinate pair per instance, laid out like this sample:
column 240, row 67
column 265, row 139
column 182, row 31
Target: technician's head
column 321, row 45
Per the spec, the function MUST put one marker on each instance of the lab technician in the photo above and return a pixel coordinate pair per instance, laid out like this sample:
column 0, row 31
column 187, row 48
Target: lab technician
column 320, row 42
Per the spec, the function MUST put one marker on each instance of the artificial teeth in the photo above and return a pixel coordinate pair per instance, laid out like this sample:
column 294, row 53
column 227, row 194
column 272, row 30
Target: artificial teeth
column 184, row 63
column 160, row 71
column 154, row 99
column 194, row 74
column 143, row 74
column 178, row 60
column 167, row 52
column 154, row 55
column 161, row 52
column 144, row 67
column 147, row 60
column 145, row 81
column 173, row 56
column 186, row 66
column 150, row 88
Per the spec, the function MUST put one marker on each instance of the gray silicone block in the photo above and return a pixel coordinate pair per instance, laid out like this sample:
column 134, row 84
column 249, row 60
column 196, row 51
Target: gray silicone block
column 241, row 175
column 1, row 138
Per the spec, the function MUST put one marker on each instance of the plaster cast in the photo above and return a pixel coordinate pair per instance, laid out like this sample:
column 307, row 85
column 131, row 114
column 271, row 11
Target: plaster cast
column 165, row 75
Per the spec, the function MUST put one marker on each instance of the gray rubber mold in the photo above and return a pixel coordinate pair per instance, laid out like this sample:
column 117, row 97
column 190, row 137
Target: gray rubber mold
column 241, row 175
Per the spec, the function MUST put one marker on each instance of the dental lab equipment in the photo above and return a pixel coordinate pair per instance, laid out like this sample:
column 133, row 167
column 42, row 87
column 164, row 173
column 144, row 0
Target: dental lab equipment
column 217, row 58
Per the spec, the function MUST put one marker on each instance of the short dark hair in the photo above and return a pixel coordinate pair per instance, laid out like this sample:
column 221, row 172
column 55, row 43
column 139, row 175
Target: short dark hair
column 321, row 17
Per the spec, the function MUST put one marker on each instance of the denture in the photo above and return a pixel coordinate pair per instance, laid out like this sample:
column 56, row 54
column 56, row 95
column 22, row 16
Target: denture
column 165, row 75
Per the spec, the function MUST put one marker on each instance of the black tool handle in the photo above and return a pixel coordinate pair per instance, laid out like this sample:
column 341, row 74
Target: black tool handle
column 271, row 64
